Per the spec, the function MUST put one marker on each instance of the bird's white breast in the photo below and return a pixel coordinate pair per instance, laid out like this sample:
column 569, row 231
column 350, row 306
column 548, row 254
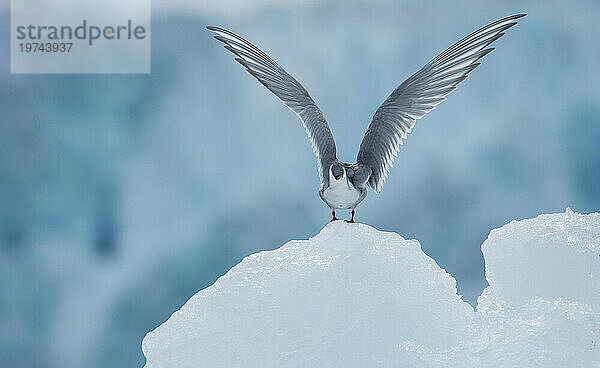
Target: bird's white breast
column 341, row 193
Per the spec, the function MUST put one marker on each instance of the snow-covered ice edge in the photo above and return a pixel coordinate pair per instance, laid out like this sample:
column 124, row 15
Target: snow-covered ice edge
column 355, row 296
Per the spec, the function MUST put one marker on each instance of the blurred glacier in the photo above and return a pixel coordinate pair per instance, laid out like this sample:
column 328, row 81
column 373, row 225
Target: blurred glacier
column 355, row 296
column 113, row 211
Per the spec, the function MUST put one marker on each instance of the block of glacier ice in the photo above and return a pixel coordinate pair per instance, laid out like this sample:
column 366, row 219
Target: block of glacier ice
column 551, row 256
column 356, row 297
column 346, row 297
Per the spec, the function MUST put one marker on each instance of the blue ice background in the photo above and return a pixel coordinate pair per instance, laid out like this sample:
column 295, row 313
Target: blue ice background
column 120, row 195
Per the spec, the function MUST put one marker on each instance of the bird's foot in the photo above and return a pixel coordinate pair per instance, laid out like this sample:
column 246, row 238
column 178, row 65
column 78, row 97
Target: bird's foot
column 351, row 221
column 334, row 218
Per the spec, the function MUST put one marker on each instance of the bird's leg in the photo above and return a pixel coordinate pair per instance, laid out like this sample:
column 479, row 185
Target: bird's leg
column 352, row 219
column 334, row 218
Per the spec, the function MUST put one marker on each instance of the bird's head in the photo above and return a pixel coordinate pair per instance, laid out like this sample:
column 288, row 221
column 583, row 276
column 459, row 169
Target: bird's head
column 342, row 173
column 336, row 171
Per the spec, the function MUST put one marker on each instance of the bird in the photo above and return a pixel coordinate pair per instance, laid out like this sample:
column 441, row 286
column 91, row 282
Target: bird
column 344, row 185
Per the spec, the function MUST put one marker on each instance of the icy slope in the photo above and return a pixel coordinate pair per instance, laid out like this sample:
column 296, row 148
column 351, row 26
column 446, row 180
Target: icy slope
column 355, row 296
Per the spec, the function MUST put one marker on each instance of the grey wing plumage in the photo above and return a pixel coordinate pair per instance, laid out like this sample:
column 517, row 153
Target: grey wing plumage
column 288, row 90
column 421, row 93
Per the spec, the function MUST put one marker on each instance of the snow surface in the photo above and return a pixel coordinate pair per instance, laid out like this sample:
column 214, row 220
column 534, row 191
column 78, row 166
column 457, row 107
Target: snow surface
column 355, row 296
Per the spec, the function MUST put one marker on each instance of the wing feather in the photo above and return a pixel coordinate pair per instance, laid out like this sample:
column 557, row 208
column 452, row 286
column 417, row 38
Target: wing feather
column 421, row 93
column 288, row 90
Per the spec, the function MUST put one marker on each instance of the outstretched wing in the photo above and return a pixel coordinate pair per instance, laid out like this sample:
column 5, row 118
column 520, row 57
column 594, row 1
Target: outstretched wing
column 421, row 93
column 288, row 90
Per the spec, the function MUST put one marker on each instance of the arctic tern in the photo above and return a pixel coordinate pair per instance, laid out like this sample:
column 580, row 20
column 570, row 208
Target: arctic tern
column 344, row 185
